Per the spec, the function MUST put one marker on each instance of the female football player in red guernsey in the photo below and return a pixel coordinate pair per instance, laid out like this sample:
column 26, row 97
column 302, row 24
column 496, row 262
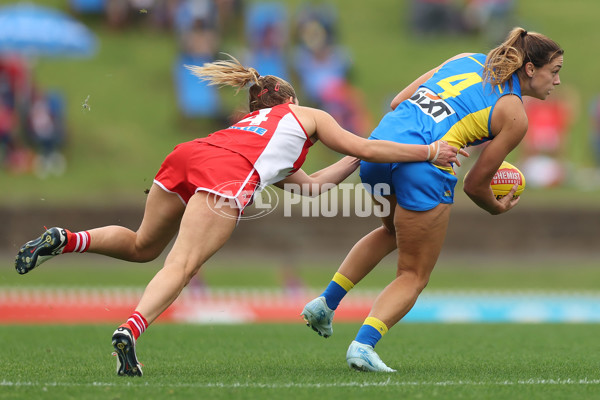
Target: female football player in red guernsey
column 469, row 99
column 266, row 147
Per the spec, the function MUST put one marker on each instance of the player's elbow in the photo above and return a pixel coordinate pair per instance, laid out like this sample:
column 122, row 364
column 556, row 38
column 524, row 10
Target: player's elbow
column 469, row 190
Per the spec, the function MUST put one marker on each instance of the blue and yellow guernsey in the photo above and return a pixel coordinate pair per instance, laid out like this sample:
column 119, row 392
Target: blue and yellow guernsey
column 454, row 105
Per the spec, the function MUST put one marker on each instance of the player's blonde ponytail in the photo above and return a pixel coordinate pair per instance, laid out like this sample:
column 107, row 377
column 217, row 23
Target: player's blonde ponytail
column 264, row 92
column 519, row 48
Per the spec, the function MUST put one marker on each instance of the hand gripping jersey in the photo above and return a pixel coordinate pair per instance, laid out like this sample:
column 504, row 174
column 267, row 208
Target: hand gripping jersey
column 454, row 105
column 271, row 139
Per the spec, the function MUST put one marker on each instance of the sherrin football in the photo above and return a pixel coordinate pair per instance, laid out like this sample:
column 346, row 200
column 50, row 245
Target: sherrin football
column 505, row 178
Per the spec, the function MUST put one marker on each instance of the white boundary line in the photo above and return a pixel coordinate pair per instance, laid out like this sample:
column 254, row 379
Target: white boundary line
column 257, row 385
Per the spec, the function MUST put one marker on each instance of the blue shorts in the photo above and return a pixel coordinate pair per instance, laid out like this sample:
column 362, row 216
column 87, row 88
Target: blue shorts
column 418, row 186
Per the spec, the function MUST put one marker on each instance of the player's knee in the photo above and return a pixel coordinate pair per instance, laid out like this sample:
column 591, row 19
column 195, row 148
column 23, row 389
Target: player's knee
column 145, row 249
column 180, row 269
column 417, row 279
column 144, row 255
column 190, row 272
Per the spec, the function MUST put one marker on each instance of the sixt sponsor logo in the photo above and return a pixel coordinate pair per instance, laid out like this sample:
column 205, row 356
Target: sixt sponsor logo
column 432, row 104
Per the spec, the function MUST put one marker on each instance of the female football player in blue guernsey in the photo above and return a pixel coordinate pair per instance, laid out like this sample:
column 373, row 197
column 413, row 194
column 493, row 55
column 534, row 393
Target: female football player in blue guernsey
column 467, row 100
column 203, row 186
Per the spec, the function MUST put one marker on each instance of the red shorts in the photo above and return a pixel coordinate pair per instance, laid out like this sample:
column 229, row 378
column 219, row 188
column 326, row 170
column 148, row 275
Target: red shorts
column 197, row 166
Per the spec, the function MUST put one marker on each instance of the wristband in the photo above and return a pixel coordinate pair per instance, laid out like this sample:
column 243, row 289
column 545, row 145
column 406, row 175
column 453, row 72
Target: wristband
column 437, row 152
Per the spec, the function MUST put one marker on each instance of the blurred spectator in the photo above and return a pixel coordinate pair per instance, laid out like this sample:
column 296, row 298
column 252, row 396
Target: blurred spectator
column 163, row 13
column 543, row 147
column 196, row 25
column 317, row 57
column 323, row 69
column 46, row 133
column 492, row 18
column 346, row 104
column 229, row 13
column 189, row 12
column 434, row 17
column 267, row 36
column 324, row 13
column 7, row 129
column 13, row 74
column 13, row 77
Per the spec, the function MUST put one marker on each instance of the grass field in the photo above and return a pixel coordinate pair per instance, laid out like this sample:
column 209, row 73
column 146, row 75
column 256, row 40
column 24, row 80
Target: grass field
column 434, row 361
column 181, row 361
column 289, row 361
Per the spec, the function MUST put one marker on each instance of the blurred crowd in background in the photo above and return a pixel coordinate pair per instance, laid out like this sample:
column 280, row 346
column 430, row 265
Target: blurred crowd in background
column 32, row 122
column 301, row 44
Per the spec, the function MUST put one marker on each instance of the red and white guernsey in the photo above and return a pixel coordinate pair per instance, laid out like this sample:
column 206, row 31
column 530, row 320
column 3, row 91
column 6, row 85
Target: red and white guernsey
column 272, row 139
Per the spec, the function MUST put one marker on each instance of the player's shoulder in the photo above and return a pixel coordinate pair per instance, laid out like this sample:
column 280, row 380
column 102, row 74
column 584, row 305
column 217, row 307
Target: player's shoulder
column 310, row 112
column 510, row 105
column 309, row 117
column 510, row 112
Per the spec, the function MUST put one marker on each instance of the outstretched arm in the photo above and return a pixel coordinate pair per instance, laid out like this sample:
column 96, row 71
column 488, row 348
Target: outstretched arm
column 336, row 138
column 322, row 180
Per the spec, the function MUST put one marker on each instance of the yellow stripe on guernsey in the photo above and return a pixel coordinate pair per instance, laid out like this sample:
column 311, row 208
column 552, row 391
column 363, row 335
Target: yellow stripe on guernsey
column 498, row 86
column 468, row 130
column 343, row 281
column 377, row 324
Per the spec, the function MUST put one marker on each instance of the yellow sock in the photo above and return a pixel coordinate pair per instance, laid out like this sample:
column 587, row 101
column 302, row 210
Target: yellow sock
column 377, row 324
column 343, row 281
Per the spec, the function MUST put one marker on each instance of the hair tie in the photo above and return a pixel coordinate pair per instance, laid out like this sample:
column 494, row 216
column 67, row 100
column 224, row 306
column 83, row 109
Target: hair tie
column 265, row 90
column 277, row 87
column 523, row 33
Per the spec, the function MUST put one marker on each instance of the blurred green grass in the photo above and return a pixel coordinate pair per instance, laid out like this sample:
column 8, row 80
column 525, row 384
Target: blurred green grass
column 230, row 271
column 115, row 149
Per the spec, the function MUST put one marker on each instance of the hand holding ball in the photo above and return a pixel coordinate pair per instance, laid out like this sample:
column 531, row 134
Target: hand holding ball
column 505, row 178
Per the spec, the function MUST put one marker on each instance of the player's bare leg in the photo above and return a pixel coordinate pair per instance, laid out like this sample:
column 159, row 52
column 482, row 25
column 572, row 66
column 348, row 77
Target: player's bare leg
column 203, row 231
column 362, row 258
column 420, row 236
column 162, row 217
column 160, row 223
column 372, row 248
